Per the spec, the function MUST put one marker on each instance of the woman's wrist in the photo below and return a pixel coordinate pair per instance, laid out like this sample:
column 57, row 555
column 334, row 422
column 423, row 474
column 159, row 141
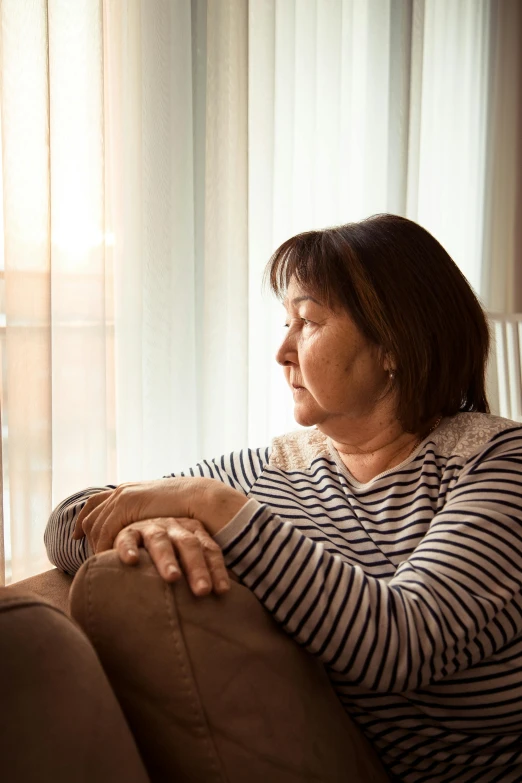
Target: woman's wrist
column 216, row 504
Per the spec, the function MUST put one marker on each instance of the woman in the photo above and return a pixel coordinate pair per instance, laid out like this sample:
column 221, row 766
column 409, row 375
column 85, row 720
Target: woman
column 386, row 539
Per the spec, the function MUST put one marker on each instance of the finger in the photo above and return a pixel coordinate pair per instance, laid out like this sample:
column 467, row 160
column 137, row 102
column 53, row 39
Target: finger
column 93, row 522
column 159, row 546
column 193, row 561
column 120, row 510
column 216, row 565
column 92, row 503
column 105, row 530
column 211, row 551
column 127, row 544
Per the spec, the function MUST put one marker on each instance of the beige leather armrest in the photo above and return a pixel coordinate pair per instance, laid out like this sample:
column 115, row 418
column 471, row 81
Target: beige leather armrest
column 212, row 688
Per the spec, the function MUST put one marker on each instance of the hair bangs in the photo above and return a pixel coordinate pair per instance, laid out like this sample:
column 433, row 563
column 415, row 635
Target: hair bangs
column 302, row 257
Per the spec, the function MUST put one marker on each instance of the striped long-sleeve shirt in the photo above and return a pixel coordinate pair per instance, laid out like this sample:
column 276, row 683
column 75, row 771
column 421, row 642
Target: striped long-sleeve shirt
column 408, row 588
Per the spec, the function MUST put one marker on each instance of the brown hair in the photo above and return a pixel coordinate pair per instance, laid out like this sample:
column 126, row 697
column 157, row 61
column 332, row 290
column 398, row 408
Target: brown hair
column 405, row 294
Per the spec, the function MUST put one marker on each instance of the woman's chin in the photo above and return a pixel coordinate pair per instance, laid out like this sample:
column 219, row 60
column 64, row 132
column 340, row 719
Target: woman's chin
column 304, row 416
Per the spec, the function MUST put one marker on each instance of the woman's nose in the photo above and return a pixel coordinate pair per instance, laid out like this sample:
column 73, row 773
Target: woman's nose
column 286, row 352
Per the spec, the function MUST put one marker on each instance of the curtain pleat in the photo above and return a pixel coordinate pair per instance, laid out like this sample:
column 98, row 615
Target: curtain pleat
column 124, row 222
column 26, row 207
column 81, row 321
column 225, row 303
column 268, row 174
column 501, row 282
column 149, row 136
column 452, row 128
column 168, row 336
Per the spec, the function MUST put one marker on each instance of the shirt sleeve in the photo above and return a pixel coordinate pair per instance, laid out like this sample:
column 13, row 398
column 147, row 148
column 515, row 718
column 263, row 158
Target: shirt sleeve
column 62, row 550
column 239, row 470
column 455, row 601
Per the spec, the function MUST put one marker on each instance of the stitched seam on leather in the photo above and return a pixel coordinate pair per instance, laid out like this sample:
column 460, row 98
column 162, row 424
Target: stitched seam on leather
column 90, row 613
column 192, row 692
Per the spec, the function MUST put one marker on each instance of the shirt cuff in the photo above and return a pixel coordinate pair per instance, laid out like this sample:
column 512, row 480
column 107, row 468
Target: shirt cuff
column 237, row 523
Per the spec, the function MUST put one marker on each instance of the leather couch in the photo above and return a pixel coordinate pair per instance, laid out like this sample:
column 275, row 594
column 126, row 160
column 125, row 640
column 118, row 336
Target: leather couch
column 119, row 676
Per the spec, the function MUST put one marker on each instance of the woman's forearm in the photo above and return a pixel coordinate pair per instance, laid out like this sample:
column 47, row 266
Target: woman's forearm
column 217, row 505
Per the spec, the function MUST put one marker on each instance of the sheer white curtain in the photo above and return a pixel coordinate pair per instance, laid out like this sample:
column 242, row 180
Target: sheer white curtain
column 154, row 154
column 56, row 348
column 124, row 138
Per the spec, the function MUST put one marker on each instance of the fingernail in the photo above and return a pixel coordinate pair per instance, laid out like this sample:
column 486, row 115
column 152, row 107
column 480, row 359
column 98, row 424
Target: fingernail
column 131, row 552
column 201, row 584
column 171, row 570
column 223, row 585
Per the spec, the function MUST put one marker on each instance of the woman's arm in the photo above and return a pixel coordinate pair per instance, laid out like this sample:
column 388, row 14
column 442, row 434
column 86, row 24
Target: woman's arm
column 238, row 470
column 455, row 601
column 449, row 606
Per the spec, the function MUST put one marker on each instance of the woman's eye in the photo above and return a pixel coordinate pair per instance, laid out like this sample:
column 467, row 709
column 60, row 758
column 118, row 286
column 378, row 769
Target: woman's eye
column 304, row 320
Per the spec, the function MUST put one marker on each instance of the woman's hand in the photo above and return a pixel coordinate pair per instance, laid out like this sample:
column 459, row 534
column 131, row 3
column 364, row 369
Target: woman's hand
column 106, row 513
column 175, row 545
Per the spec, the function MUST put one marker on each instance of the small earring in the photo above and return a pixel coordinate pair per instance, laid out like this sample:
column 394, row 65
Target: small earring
column 392, row 375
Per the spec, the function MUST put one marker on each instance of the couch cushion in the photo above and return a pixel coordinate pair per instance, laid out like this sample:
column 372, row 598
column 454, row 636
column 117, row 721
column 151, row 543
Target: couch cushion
column 212, row 688
column 59, row 719
column 52, row 585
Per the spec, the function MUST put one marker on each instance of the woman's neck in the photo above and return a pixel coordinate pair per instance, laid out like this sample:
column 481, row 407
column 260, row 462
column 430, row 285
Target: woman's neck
column 367, row 457
column 365, row 466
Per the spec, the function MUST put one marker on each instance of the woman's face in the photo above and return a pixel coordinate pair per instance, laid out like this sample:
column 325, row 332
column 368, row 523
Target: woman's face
column 343, row 377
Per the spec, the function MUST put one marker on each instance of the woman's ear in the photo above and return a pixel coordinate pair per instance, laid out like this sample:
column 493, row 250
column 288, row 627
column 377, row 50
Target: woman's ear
column 387, row 360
